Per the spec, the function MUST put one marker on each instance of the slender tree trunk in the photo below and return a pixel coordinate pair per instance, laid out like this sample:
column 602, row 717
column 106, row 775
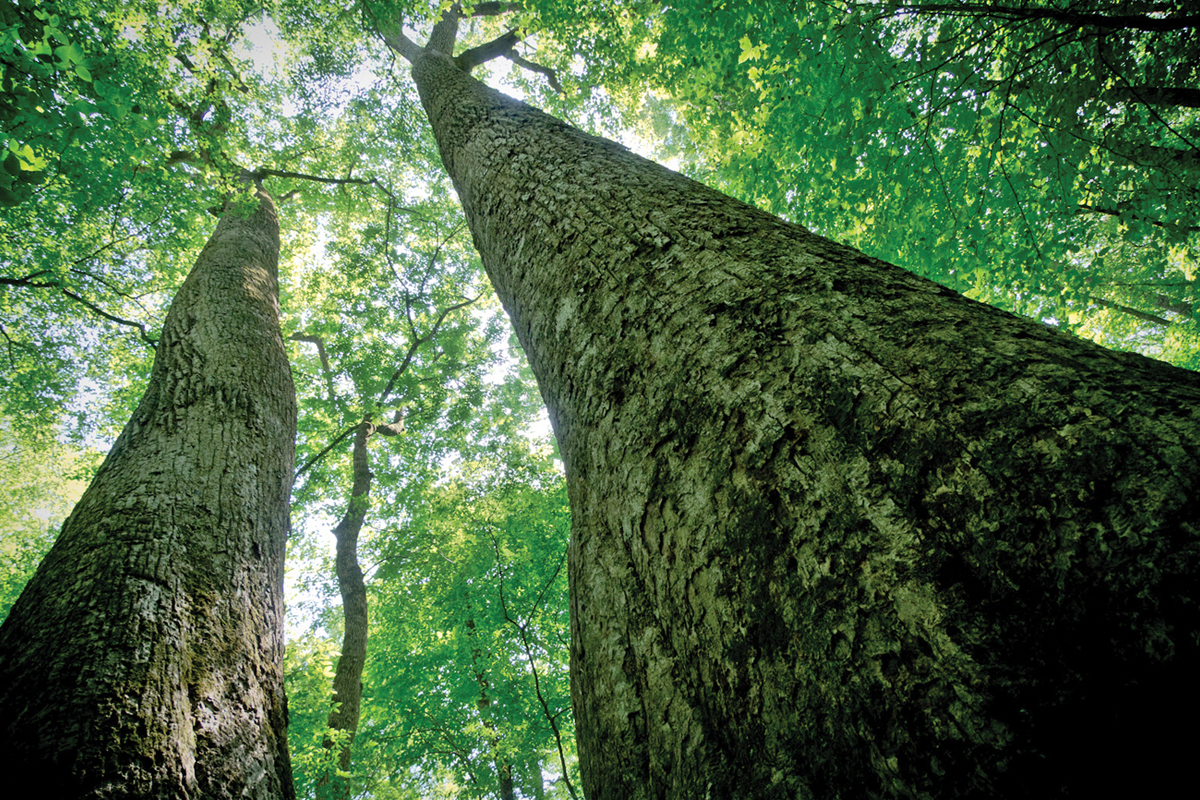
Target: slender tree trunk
column 504, row 780
column 347, row 678
column 144, row 659
column 837, row 531
column 535, row 779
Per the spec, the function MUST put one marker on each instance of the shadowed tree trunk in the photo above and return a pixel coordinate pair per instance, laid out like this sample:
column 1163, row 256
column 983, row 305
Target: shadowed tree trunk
column 836, row 531
column 347, row 678
column 144, row 658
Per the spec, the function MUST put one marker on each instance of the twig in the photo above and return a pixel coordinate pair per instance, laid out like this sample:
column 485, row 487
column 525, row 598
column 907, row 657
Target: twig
column 537, row 686
column 416, row 343
column 113, row 317
column 12, row 362
column 321, row 454
column 551, row 75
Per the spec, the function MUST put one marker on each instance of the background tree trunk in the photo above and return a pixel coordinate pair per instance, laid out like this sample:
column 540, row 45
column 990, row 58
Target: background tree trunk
column 347, row 678
column 837, row 531
column 144, row 659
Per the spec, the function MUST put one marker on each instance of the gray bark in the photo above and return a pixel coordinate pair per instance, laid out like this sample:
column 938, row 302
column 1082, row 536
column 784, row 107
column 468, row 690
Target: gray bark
column 144, row 659
column 837, row 531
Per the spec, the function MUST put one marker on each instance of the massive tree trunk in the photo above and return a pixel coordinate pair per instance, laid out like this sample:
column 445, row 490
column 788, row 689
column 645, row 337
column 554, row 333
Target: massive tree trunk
column 144, row 659
column 837, row 531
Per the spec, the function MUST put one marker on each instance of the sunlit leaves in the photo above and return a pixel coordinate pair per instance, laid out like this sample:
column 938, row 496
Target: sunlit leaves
column 119, row 144
column 980, row 149
column 471, row 594
column 42, row 479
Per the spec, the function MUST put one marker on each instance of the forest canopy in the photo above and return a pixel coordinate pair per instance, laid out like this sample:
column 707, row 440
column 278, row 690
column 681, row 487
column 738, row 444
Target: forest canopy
column 1041, row 157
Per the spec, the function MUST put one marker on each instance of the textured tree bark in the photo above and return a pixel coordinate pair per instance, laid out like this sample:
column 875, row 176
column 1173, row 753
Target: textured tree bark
column 144, row 659
column 837, row 531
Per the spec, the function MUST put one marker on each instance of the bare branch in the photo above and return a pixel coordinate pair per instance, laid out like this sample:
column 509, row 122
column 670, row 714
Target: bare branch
column 1104, row 21
column 1156, row 95
column 416, row 343
column 341, row 436
column 12, row 362
column 29, row 282
column 113, row 317
column 501, row 45
column 393, row 35
column 550, row 74
column 394, row 428
column 504, row 45
column 325, row 369
column 1153, row 112
column 1084, row 208
column 1153, row 319
column 264, row 172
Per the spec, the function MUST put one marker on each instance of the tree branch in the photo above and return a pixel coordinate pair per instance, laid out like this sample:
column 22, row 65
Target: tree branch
column 501, row 45
column 341, row 436
column 416, row 343
column 29, row 283
column 1084, row 208
column 1158, row 95
column 1133, row 312
column 504, row 45
column 393, row 428
column 551, row 75
column 445, row 31
column 264, row 172
column 537, row 686
column 12, row 362
column 1079, row 19
column 393, row 35
column 325, row 369
column 113, row 317
column 1153, row 112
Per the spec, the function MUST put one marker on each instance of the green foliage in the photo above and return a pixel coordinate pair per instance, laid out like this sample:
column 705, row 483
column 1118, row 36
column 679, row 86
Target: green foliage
column 42, row 480
column 1024, row 158
column 472, row 601
column 121, row 112
column 1036, row 164
column 468, row 598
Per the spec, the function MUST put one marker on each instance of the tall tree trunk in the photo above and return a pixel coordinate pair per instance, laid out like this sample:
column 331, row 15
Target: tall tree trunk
column 837, row 531
column 144, row 659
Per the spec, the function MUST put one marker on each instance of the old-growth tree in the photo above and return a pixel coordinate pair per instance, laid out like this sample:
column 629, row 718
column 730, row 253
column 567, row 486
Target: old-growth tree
column 144, row 658
column 837, row 531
